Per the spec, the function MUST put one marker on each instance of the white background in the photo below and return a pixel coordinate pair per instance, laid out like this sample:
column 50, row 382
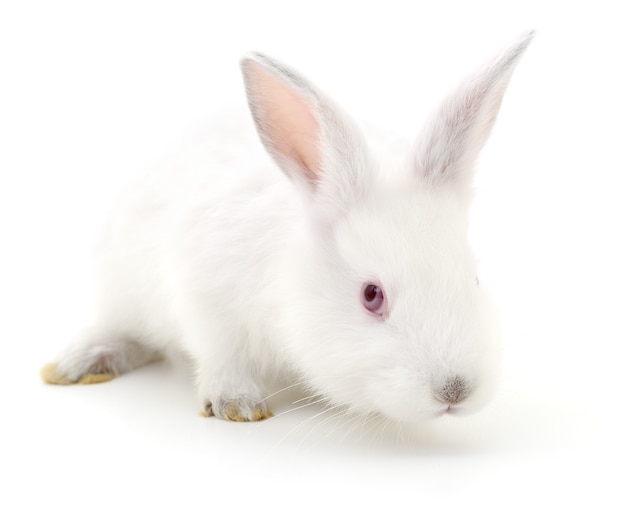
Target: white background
column 91, row 93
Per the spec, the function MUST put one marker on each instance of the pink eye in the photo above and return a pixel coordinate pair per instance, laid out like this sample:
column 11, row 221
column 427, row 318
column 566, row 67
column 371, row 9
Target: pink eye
column 373, row 299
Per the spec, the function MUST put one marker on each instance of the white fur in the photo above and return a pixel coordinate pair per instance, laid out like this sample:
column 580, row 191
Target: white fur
column 253, row 274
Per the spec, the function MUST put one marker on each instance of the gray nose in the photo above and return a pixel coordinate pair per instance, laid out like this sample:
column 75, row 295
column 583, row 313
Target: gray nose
column 452, row 391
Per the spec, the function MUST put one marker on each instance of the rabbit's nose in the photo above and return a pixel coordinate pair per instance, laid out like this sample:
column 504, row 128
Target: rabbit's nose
column 453, row 390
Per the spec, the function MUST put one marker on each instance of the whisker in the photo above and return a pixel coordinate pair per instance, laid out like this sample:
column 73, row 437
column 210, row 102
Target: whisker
column 308, row 397
column 347, row 420
column 358, row 421
column 296, row 408
column 360, row 425
column 281, row 390
column 326, row 420
column 305, row 421
column 377, row 439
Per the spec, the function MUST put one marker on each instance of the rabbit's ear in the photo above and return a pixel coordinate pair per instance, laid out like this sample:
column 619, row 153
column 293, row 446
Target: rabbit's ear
column 454, row 135
column 312, row 141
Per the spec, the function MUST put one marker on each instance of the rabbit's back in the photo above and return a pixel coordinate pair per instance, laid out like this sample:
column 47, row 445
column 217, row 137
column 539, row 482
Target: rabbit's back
column 206, row 222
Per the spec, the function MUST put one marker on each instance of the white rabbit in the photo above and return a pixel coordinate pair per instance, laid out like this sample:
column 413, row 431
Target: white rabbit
column 353, row 275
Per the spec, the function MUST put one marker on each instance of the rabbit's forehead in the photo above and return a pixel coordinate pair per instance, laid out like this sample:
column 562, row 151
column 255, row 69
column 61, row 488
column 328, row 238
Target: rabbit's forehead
column 416, row 238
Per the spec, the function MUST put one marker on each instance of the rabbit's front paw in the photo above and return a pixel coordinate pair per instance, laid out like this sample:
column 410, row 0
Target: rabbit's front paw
column 52, row 374
column 237, row 409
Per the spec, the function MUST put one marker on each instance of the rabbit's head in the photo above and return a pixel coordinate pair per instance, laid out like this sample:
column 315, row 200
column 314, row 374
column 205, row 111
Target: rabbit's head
column 386, row 314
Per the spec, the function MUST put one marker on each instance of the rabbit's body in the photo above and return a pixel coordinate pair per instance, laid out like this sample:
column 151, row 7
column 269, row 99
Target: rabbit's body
column 179, row 225
column 166, row 260
column 354, row 276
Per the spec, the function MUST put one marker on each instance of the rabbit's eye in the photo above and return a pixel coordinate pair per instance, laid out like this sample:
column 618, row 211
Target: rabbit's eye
column 373, row 299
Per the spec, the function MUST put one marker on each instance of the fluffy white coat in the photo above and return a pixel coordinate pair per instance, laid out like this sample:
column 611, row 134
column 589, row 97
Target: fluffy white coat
column 264, row 273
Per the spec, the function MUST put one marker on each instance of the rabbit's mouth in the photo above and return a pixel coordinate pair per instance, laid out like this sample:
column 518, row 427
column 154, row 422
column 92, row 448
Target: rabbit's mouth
column 454, row 409
column 448, row 409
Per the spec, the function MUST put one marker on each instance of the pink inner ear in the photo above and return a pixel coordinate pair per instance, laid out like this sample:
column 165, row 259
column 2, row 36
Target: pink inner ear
column 287, row 123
